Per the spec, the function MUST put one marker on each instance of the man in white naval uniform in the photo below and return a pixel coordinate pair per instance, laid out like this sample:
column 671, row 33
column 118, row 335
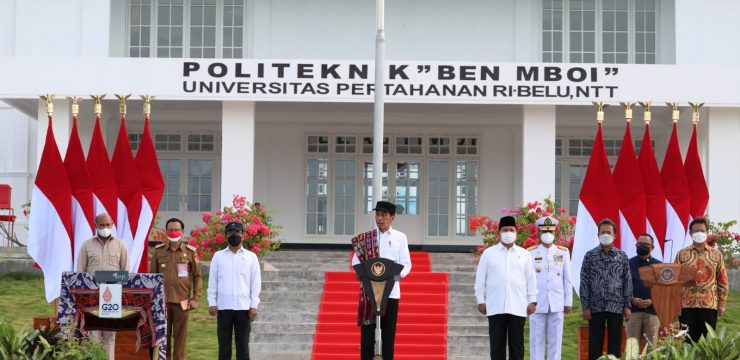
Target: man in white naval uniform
column 555, row 293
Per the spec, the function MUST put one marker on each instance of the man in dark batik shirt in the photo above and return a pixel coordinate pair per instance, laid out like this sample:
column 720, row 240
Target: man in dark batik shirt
column 606, row 292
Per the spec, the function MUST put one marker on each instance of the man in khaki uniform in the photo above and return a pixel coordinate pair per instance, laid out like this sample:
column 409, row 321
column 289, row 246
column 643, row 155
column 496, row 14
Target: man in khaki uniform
column 182, row 284
column 103, row 252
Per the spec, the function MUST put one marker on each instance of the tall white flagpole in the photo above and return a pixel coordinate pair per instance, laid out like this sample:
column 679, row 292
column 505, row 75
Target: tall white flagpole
column 379, row 107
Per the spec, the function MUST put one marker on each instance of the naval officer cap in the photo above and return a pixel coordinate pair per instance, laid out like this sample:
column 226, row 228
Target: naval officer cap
column 547, row 223
column 386, row 206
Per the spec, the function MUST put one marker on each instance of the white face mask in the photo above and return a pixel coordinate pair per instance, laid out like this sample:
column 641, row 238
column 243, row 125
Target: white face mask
column 175, row 239
column 508, row 237
column 699, row 237
column 104, row 232
column 547, row 238
column 606, row 239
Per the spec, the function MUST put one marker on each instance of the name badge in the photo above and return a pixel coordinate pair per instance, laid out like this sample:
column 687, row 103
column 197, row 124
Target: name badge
column 182, row 270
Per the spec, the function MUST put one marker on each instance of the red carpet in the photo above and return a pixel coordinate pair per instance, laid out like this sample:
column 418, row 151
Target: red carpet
column 422, row 315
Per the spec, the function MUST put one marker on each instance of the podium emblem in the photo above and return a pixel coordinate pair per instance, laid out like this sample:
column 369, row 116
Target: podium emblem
column 107, row 296
column 378, row 269
column 667, row 274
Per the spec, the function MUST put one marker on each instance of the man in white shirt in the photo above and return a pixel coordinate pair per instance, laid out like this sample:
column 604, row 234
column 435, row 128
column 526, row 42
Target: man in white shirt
column 234, row 284
column 506, row 291
column 393, row 245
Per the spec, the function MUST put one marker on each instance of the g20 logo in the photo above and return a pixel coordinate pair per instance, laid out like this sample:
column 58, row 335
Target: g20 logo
column 110, row 307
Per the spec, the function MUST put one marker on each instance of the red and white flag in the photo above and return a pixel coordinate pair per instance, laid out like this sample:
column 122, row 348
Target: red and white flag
column 129, row 194
column 152, row 185
column 598, row 200
column 105, row 190
column 678, row 198
column 628, row 180
column 50, row 223
column 83, row 210
column 655, row 201
column 697, row 183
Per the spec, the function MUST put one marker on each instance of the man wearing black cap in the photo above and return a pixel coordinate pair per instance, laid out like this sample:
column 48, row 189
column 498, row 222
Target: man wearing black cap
column 506, row 291
column 393, row 245
column 234, row 284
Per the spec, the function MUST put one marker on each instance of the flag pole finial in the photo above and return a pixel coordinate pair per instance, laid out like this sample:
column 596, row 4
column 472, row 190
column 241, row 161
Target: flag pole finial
column 122, row 103
column 98, row 103
column 600, row 106
column 647, row 114
column 695, row 115
column 49, row 99
column 627, row 110
column 674, row 110
column 147, row 104
column 74, row 101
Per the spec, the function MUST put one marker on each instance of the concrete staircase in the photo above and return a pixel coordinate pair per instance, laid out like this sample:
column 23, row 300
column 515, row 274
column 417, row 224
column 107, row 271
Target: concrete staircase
column 292, row 282
column 467, row 329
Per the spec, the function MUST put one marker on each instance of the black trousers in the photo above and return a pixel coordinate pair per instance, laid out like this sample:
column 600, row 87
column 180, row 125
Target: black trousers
column 239, row 322
column 503, row 327
column 388, row 325
column 695, row 319
column 613, row 324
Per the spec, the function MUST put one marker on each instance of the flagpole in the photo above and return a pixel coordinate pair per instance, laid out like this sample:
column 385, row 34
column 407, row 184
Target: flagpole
column 379, row 107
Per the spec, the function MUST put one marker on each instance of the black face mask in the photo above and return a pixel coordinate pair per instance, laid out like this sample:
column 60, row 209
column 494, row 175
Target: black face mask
column 234, row 240
column 643, row 249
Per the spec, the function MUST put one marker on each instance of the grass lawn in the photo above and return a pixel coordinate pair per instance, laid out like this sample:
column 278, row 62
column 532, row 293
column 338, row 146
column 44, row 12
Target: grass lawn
column 22, row 298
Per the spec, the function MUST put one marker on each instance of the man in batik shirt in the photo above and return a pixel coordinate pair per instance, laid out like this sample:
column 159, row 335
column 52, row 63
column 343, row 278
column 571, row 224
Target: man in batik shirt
column 704, row 298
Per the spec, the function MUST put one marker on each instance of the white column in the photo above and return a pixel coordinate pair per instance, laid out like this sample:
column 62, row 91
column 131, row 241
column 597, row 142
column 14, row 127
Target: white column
column 723, row 168
column 237, row 150
column 61, row 123
column 538, row 152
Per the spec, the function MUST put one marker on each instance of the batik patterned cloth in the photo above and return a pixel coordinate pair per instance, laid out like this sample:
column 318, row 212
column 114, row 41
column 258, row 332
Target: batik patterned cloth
column 366, row 247
column 142, row 292
column 711, row 285
column 605, row 281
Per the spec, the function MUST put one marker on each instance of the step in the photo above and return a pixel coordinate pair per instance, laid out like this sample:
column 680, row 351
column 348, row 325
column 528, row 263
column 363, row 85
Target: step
column 351, row 318
column 468, row 350
column 312, row 286
column 408, row 308
column 400, row 328
column 419, row 336
column 400, row 349
column 283, row 328
column 335, row 356
column 424, row 277
column 290, row 296
column 405, row 287
column 349, row 296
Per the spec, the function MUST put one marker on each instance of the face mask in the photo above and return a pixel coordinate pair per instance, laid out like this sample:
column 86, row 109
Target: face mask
column 234, row 240
column 699, row 237
column 643, row 249
column 104, row 232
column 606, row 239
column 174, row 235
column 547, row 238
column 508, row 237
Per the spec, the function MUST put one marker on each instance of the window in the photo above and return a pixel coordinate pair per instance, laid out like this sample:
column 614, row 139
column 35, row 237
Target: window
column 467, row 146
column 439, row 145
column 171, row 174
column 408, row 145
column 466, row 195
column 200, row 184
column 317, row 196
column 407, row 187
column 599, row 31
column 167, row 142
column 367, row 145
column 186, row 28
column 134, row 140
column 318, row 144
column 201, row 142
column 345, row 144
column 344, row 196
column 439, row 198
column 368, row 185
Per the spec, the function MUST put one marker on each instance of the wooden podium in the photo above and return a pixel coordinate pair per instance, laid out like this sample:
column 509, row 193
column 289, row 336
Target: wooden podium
column 666, row 281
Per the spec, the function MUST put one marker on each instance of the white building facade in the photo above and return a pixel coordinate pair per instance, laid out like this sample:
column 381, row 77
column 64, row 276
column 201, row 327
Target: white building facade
column 306, row 154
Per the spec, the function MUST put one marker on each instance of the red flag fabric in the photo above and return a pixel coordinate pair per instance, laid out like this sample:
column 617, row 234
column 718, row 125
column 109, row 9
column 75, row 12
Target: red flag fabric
column 105, row 189
column 695, row 178
column 50, row 222
column 679, row 198
column 152, row 185
column 598, row 200
column 628, row 179
column 83, row 210
column 655, row 200
column 129, row 192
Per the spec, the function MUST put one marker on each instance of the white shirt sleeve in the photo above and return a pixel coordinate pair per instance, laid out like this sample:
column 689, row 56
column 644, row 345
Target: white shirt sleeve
column 480, row 279
column 404, row 257
column 213, row 281
column 255, row 283
column 567, row 283
column 531, row 280
column 355, row 260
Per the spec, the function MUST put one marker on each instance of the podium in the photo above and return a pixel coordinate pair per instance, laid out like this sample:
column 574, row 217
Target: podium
column 378, row 276
column 143, row 310
column 666, row 281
